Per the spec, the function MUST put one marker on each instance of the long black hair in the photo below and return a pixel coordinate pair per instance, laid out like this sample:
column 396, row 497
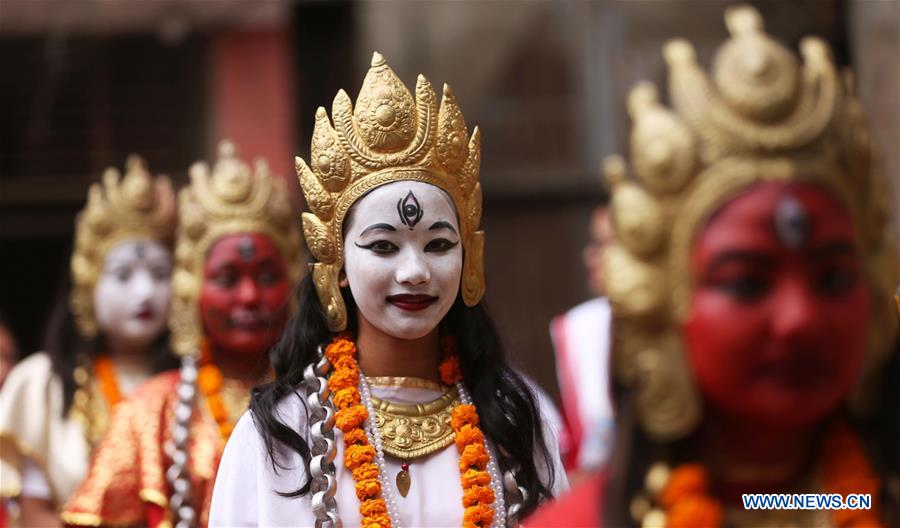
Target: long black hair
column 69, row 349
column 508, row 410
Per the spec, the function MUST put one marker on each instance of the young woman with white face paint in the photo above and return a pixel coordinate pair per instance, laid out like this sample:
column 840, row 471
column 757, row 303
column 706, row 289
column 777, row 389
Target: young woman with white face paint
column 105, row 341
column 391, row 368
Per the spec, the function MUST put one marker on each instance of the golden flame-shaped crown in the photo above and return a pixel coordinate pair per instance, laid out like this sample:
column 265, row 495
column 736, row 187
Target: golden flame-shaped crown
column 137, row 207
column 231, row 198
column 388, row 137
column 759, row 116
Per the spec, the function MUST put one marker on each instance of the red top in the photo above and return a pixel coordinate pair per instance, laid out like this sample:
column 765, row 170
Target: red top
column 580, row 508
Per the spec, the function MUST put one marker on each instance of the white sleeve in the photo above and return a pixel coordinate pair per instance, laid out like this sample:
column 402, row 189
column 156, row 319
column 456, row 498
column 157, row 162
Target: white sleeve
column 234, row 500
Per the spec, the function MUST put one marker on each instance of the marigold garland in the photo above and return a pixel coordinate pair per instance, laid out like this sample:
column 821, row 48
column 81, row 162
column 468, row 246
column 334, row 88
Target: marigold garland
column 105, row 374
column 845, row 469
column 210, row 382
column 359, row 456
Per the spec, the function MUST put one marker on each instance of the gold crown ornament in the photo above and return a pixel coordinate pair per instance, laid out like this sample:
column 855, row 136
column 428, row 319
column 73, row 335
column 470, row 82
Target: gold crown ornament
column 758, row 116
column 231, row 198
column 388, row 137
column 136, row 207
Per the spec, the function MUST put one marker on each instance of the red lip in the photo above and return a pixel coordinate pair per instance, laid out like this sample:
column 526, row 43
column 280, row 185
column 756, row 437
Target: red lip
column 144, row 314
column 411, row 303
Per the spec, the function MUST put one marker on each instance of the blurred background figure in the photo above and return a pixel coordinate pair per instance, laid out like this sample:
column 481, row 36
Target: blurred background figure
column 108, row 336
column 238, row 260
column 751, row 280
column 9, row 349
column 581, row 340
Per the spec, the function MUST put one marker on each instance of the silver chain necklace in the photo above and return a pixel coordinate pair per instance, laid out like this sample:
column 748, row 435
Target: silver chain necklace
column 324, row 451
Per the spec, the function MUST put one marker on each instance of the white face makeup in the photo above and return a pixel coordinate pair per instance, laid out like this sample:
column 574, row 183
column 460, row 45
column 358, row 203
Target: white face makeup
column 131, row 299
column 403, row 257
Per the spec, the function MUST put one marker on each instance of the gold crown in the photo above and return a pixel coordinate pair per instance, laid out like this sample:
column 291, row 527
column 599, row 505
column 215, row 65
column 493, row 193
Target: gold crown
column 388, row 137
column 137, row 207
column 760, row 116
column 229, row 199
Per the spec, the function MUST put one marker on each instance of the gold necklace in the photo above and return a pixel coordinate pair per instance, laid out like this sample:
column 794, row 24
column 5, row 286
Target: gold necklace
column 407, row 382
column 410, row 431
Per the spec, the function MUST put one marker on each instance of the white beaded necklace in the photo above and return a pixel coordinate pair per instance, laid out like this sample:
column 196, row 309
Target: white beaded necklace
column 387, row 491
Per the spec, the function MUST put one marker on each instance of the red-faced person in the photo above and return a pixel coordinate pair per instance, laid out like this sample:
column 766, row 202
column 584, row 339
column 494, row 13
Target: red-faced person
column 244, row 298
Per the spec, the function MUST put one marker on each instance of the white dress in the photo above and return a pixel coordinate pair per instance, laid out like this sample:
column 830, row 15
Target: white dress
column 246, row 484
column 44, row 453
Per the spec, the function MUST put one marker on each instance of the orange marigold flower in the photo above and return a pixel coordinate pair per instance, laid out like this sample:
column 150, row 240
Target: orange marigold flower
column 346, row 363
column 462, row 415
column 468, row 434
column 347, row 397
column 686, row 479
column 343, row 378
column 355, row 436
column 478, row 495
column 368, row 489
column 474, row 477
column 358, row 454
column 376, row 521
column 225, row 430
column 372, row 507
column 473, row 456
column 449, row 369
column 368, row 470
column 209, row 378
column 340, row 346
column 695, row 511
column 351, row 417
column 216, row 407
column 480, row 514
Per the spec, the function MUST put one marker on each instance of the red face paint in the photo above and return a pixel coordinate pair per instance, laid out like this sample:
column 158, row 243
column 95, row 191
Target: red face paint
column 779, row 312
column 244, row 298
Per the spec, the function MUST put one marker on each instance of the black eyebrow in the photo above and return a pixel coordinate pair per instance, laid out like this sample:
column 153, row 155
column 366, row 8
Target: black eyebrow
column 373, row 227
column 752, row 257
column 441, row 224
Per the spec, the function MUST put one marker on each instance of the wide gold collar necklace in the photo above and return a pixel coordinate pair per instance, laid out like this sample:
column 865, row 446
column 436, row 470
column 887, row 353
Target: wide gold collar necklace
column 410, row 431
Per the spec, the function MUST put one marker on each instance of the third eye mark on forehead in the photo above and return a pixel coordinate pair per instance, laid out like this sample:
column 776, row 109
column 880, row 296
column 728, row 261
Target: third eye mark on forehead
column 792, row 223
column 246, row 248
column 409, row 210
column 140, row 251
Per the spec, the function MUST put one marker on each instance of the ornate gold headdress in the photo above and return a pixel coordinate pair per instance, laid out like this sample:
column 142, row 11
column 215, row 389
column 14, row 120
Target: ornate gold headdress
column 388, row 137
column 230, row 199
column 137, row 207
column 759, row 116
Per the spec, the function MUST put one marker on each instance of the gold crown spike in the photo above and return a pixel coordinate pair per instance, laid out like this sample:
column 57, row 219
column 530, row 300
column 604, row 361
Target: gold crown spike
column 760, row 115
column 388, row 137
column 137, row 207
column 230, row 198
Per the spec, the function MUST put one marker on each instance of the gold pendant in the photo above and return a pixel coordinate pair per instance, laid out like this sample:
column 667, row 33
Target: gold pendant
column 403, row 480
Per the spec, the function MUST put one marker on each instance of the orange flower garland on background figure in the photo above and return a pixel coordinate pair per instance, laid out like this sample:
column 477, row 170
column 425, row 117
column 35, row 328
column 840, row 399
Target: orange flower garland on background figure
column 105, row 373
column 685, row 494
column 360, row 457
column 210, row 382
